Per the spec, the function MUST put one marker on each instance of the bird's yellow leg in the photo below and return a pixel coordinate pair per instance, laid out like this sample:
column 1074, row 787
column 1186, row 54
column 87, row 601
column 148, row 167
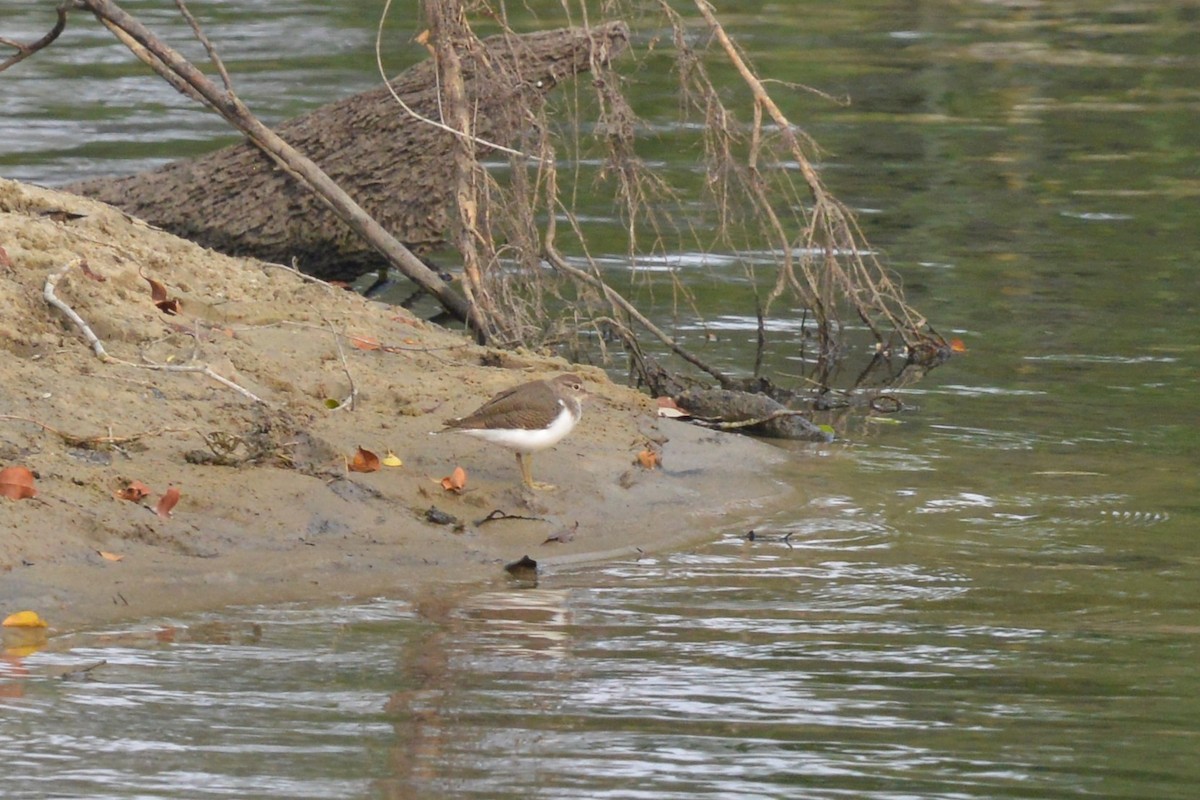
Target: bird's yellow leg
column 527, row 474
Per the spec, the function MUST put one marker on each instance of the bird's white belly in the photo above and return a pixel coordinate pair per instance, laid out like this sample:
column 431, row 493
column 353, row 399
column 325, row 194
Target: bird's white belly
column 527, row 441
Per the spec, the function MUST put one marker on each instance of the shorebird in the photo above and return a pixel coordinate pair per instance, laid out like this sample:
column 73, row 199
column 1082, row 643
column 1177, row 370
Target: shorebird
column 527, row 418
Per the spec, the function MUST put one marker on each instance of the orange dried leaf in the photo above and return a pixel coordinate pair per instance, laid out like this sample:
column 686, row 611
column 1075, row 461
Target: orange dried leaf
column 134, row 491
column 649, row 459
column 107, row 556
column 16, row 483
column 167, row 502
column 456, row 481
column 24, row 619
column 405, row 319
column 365, row 343
column 667, row 407
column 158, row 292
column 364, row 461
column 89, row 272
column 958, row 346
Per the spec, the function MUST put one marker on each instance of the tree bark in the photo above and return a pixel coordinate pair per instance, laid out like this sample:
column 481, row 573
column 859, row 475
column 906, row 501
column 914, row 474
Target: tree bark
column 398, row 168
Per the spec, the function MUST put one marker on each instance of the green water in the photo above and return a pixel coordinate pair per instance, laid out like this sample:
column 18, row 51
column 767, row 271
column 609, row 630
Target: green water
column 993, row 595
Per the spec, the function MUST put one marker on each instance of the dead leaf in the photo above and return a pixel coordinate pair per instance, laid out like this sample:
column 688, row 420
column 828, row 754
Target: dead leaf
column 649, row 459
column 424, row 38
column 392, row 460
column 365, row 343
column 62, row 215
column 24, row 619
column 958, row 346
column 16, row 483
column 170, row 307
column 669, row 408
column 456, row 481
column 167, row 502
column 364, row 461
column 158, row 294
column 89, row 272
column 563, row 536
column 107, row 556
column 134, row 491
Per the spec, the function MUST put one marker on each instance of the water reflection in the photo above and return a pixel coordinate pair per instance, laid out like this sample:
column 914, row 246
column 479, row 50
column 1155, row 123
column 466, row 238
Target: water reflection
column 844, row 650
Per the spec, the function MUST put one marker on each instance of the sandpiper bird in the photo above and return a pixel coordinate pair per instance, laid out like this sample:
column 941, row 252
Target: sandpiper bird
column 527, row 418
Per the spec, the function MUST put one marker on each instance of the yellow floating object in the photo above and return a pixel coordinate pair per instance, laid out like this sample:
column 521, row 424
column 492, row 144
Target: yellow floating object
column 24, row 619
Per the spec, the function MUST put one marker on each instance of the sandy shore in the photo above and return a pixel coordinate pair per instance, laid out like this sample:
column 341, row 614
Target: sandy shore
column 268, row 511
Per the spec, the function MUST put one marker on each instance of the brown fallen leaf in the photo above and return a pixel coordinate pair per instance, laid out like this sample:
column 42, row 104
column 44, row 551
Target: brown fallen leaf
column 16, row 483
column 167, row 502
column 456, row 481
column 107, row 556
column 363, row 461
column 89, row 272
column 667, row 407
column 134, row 491
column 158, row 292
column 158, row 295
column 170, row 307
column 62, row 215
column 365, row 343
column 649, row 459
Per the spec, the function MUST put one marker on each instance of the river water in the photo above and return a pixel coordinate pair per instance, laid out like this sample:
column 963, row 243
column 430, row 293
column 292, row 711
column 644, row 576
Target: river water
column 995, row 594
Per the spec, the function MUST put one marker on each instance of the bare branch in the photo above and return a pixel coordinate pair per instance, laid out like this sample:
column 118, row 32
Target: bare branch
column 24, row 51
column 180, row 73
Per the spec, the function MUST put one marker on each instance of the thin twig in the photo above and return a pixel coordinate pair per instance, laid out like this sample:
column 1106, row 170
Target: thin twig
column 613, row 296
column 302, row 276
column 24, row 51
column 92, row 441
column 416, row 114
column 208, row 46
column 337, row 341
column 48, row 292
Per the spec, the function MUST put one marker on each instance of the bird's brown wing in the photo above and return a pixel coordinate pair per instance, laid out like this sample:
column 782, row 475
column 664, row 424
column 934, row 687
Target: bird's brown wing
column 536, row 407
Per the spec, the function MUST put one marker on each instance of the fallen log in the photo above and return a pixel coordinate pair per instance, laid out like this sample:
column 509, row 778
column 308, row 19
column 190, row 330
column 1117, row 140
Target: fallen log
column 398, row 168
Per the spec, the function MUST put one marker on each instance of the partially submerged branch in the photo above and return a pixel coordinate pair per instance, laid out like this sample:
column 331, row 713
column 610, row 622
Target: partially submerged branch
column 766, row 192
